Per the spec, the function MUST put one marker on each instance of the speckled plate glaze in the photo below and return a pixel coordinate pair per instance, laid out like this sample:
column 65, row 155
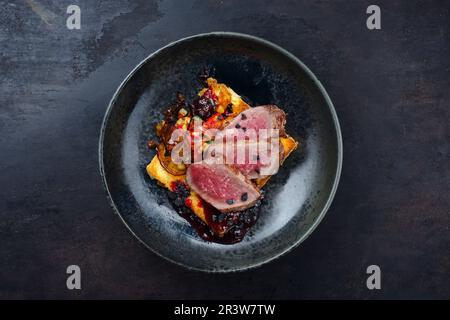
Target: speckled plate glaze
column 297, row 198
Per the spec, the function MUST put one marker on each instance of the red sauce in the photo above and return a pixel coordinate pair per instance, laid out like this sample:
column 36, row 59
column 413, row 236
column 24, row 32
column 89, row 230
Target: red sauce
column 213, row 122
column 173, row 185
column 209, row 94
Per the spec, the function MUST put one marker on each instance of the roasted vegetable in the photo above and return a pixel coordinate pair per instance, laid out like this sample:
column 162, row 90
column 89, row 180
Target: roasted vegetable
column 166, row 161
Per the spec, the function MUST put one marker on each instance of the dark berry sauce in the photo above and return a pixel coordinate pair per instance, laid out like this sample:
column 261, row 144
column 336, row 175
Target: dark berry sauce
column 224, row 228
column 204, row 106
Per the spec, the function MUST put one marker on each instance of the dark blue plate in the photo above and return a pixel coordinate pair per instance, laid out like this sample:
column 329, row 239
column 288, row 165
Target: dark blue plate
column 297, row 198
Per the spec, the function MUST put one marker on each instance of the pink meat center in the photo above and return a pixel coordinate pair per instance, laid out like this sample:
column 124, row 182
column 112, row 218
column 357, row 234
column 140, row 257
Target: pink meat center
column 216, row 182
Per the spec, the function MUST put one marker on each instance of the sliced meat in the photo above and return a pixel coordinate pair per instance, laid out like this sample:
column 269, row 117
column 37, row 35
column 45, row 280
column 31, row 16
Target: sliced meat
column 244, row 130
column 248, row 156
column 263, row 163
column 261, row 117
column 222, row 186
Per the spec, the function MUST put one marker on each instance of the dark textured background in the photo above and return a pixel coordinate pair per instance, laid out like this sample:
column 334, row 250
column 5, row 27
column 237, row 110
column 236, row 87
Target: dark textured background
column 391, row 91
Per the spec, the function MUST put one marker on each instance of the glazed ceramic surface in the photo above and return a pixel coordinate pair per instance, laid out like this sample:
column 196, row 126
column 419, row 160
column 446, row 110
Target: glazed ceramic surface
column 296, row 198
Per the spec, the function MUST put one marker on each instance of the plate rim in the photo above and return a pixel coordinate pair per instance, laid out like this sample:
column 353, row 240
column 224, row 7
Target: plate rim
column 328, row 102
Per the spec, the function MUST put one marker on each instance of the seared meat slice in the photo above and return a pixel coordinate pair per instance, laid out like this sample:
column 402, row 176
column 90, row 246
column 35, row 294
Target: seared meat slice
column 245, row 131
column 222, row 186
column 248, row 156
column 261, row 117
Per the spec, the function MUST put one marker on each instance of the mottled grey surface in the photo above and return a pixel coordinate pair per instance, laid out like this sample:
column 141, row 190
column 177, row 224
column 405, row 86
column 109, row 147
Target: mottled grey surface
column 389, row 87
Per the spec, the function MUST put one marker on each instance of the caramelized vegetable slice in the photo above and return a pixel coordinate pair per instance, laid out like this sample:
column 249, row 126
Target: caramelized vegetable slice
column 167, row 163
